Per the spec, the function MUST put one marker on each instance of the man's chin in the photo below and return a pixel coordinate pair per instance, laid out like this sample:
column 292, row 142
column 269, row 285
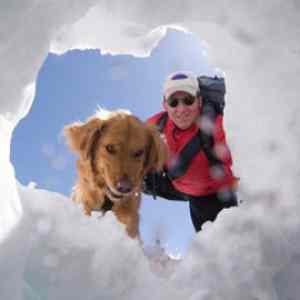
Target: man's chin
column 183, row 125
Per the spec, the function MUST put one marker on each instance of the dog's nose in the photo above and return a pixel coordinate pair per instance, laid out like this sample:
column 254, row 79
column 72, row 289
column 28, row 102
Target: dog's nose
column 124, row 186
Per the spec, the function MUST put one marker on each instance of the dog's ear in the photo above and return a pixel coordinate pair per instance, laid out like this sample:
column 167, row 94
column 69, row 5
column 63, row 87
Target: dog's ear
column 157, row 151
column 81, row 137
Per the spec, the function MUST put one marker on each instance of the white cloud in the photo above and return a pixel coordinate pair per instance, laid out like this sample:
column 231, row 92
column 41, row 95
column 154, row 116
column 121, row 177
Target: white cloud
column 250, row 252
column 57, row 160
column 118, row 72
column 48, row 150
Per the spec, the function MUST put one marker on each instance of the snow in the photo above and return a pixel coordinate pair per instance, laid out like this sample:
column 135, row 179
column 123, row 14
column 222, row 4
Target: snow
column 48, row 250
column 10, row 206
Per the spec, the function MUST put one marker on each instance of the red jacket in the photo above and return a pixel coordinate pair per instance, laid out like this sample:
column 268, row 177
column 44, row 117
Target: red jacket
column 197, row 180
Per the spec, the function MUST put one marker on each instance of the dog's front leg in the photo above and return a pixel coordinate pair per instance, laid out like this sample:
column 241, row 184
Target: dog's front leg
column 127, row 213
column 90, row 199
column 131, row 223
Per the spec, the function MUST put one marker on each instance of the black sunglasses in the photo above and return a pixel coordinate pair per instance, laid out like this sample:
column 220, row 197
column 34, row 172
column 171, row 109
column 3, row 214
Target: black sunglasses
column 188, row 100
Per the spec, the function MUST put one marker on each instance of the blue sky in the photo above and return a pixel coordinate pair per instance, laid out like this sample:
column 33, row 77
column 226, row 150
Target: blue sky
column 71, row 86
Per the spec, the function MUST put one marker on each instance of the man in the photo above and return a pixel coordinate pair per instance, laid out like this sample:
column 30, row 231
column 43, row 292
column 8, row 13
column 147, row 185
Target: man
column 203, row 177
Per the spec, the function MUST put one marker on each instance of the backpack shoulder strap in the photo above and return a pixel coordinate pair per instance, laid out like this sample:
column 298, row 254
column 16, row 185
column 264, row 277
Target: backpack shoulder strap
column 207, row 143
column 185, row 158
column 162, row 121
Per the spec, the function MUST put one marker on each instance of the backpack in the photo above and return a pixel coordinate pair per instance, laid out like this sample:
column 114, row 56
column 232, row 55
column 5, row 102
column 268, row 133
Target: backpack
column 212, row 90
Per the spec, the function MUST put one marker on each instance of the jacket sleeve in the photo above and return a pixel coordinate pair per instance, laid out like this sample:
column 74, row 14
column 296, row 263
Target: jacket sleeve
column 220, row 146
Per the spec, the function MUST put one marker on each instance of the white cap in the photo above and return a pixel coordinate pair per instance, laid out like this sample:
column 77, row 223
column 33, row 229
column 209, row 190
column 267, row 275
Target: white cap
column 181, row 81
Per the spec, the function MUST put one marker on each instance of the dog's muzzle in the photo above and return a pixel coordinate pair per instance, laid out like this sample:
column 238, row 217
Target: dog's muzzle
column 123, row 188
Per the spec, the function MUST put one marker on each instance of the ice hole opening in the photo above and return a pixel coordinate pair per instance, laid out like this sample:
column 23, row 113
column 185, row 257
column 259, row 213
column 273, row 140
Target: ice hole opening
column 69, row 88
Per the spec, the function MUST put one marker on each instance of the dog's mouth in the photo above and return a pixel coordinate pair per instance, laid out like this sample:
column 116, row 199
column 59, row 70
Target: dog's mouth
column 114, row 195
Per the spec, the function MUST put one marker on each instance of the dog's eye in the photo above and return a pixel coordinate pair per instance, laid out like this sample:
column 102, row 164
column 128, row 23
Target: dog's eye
column 110, row 149
column 138, row 153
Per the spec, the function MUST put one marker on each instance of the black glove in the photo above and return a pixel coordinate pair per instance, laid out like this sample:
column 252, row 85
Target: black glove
column 158, row 184
column 149, row 184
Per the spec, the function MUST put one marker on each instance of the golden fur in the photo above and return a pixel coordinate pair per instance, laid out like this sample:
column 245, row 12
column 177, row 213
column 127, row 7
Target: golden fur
column 115, row 151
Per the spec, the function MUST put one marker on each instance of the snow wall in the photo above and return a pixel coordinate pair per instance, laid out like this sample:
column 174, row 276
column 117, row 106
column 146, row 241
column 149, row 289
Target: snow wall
column 49, row 251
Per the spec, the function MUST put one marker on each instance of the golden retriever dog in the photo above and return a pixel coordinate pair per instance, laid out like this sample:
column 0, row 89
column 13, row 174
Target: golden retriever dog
column 115, row 152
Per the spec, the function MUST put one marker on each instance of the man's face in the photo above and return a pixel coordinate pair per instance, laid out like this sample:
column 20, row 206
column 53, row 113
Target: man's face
column 183, row 109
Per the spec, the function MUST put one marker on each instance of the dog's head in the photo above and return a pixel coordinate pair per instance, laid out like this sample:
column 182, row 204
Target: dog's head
column 118, row 149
